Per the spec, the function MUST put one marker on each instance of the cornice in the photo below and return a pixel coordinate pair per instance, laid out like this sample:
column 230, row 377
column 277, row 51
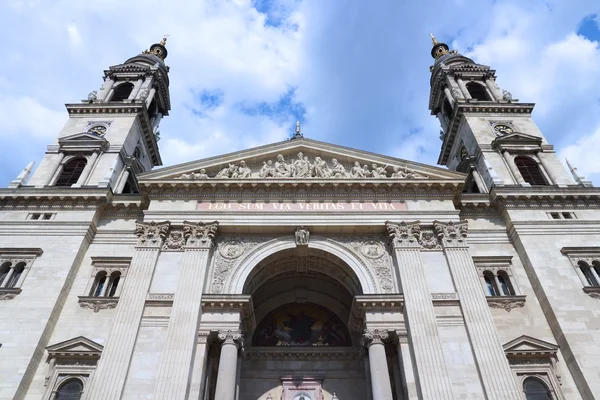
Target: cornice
column 546, row 196
column 23, row 197
column 301, row 353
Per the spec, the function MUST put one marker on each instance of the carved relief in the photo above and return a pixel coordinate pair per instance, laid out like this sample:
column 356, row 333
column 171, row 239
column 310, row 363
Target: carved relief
column 231, row 250
column 429, row 241
column 301, row 235
column 404, row 234
column 301, row 167
column 228, row 252
column 506, row 303
column 374, row 336
column 200, row 234
column 231, row 337
column 451, row 234
column 98, row 304
column 151, row 234
column 8, row 295
column 175, row 241
column 372, row 249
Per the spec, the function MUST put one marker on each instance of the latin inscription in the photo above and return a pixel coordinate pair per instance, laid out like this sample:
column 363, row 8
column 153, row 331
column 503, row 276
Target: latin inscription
column 300, row 207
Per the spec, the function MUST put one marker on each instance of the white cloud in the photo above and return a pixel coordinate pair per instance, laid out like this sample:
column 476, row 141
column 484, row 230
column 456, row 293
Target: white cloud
column 74, row 36
column 584, row 154
column 26, row 117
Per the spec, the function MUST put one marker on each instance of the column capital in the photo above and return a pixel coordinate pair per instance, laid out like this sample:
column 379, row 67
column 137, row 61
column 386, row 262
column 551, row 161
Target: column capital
column 231, row 337
column 451, row 234
column 200, row 235
column 403, row 234
column 374, row 336
column 151, row 234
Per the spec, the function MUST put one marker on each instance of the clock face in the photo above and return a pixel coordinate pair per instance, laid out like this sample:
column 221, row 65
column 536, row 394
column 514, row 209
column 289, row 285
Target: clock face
column 98, row 130
column 502, row 129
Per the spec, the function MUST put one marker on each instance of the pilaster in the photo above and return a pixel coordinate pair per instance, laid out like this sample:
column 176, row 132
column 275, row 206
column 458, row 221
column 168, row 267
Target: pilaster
column 110, row 376
column 420, row 316
column 494, row 371
column 177, row 360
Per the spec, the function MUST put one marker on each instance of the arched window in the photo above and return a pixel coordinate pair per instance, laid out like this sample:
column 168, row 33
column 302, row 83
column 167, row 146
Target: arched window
column 505, row 284
column 587, row 272
column 490, row 283
column 478, row 91
column 113, row 282
column 535, row 389
column 70, row 390
column 4, row 270
column 530, row 171
column 14, row 278
column 596, row 266
column 71, row 172
column 99, row 283
column 122, row 92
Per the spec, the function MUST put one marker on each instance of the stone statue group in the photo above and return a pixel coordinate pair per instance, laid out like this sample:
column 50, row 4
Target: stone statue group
column 301, row 167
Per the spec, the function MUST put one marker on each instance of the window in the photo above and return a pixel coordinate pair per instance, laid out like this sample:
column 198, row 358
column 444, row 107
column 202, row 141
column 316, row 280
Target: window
column 497, row 282
column 4, row 270
column 499, row 285
column 567, row 215
column 70, row 390
column 38, row 216
column 14, row 278
column 490, row 283
column 590, row 273
column 113, row 283
column 506, row 288
column 535, row 389
column 122, row 92
column 14, row 266
column 561, row 215
column 106, row 283
column 530, row 171
column 35, row 216
column 71, row 172
column 478, row 91
column 99, row 284
column 586, row 264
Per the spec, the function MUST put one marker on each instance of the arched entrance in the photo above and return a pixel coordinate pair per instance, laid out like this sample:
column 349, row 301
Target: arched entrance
column 301, row 345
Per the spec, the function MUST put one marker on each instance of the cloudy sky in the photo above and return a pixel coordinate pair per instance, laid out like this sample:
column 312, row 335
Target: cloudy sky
column 354, row 72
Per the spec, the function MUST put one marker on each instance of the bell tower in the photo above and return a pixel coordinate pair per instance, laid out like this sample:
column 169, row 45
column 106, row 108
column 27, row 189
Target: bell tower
column 112, row 135
column 485, row 132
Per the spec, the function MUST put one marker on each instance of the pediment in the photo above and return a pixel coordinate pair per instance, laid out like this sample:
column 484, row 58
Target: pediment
column 527, row 346
column 129, row 68
column 82, row 141
column 79, row 346
column 280, row 161
column 517, row 138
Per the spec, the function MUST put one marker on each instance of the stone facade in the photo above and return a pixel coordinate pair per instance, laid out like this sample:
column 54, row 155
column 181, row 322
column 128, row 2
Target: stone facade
column 300, row 269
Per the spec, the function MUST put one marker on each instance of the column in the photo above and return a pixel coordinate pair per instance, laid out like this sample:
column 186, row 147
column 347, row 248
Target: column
column 547, row 167
column 406, row 366
column 52, row 168
column 463, row 88
column 478, row 180
column 380, row 375
column 491, row 84
column 136, row 89
column 87, row 170
column 198, row 378
column 105, row 89
column 513, row 168
column 226, row 377
column 419, row 313
column 494, row 371
column 9, row 275
column 123, row 181
column 150, row 97
column 449, row 96
column 109, row 378
column 176, row 364
column 592, row 271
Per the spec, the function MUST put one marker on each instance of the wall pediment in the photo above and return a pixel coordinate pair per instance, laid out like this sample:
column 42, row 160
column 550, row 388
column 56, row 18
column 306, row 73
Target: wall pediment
column 527, row 346
column 79, row 346
column 301, row 159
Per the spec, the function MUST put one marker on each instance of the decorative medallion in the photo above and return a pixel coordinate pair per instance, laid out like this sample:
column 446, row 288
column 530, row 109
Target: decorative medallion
column 372, row 249
column 175, row 241
column 230, row 250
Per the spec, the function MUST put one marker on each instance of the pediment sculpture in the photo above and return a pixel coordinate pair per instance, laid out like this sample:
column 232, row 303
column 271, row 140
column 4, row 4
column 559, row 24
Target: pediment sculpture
column 302, row 167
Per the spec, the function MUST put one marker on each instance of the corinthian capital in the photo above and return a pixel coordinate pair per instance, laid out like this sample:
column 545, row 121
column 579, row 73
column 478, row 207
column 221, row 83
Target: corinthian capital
column 200, row 234
column 451, row 234
column 151, row 234
column 403, row 234
column 231, row 337
column 374, row 336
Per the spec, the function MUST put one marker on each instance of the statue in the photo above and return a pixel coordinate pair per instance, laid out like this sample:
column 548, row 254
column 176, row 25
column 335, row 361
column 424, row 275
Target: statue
column 143, row 94
column 357, row 171
column 282, row 170
column 201, row 175
column 366, row 171
column 398, row 173
column 378, row 172
column 242, row 171
column 302, row 235
column 227, row 172
column 506, row 95
column 457, row 94
column 337, row 169
column 267, row 170
column 321, row 168
column 301, row 167
column 92, row 96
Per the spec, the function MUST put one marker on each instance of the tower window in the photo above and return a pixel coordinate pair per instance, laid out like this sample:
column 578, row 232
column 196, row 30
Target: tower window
column 71, row 172
column 100, row 281
column 70, row 390
column 122, row 92
column 588, row 274
column 478, row 92
column 535, row 389
column 530, row 171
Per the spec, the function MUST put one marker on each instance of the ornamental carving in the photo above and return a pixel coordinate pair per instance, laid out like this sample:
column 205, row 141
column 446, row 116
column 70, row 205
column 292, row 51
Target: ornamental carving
column 231, row 250
column 429, row 241
column 372, row 249
column 151, row 234
column 404, row 234
column 506, row 304
column 451, row 234
column 231, row 337
column 374, row 336
column 175, row 241
column 302, row 168
column 7, row 295
column 200, row 234
column 98, row 304
column 301, row 235
column 228, row 252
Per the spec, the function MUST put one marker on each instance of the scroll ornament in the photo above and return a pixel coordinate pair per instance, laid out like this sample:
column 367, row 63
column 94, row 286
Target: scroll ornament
column 151, row 234
column 451, row 234
column 374, row 336
column 200, row 234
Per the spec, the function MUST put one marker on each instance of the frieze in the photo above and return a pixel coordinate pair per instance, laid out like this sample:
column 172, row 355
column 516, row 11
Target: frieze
column 411, row 234
column 303, row 168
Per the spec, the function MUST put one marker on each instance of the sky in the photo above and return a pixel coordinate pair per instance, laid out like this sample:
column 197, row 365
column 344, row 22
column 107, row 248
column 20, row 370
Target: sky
column 353, row 72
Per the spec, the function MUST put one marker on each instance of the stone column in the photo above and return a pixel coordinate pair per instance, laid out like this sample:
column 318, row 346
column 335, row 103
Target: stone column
column 150, row 97
column 549, row 171
column 109, row 378
column 419, row 313
column 123, row 181
column 55, row 165
column 463, row 88
column 177, row 360
column 449, row 96
column 86, row 170
column 380, row 375
column 406, row 366
column 226, row 377
column 494, row 371
column 105, row 89
column 510, row 161
column 491, row 84
column 478, row 180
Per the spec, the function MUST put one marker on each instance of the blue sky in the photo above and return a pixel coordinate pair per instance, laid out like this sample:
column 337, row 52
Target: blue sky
column 356, row 73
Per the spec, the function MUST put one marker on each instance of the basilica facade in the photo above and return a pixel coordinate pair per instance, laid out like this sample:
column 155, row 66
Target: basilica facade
column 300, row 270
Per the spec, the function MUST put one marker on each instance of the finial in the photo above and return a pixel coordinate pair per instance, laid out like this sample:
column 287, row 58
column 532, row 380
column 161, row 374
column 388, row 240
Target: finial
column 164, row 40
column 297, row 127
column 580, row 179
column 433, row 39
column 298, row 133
